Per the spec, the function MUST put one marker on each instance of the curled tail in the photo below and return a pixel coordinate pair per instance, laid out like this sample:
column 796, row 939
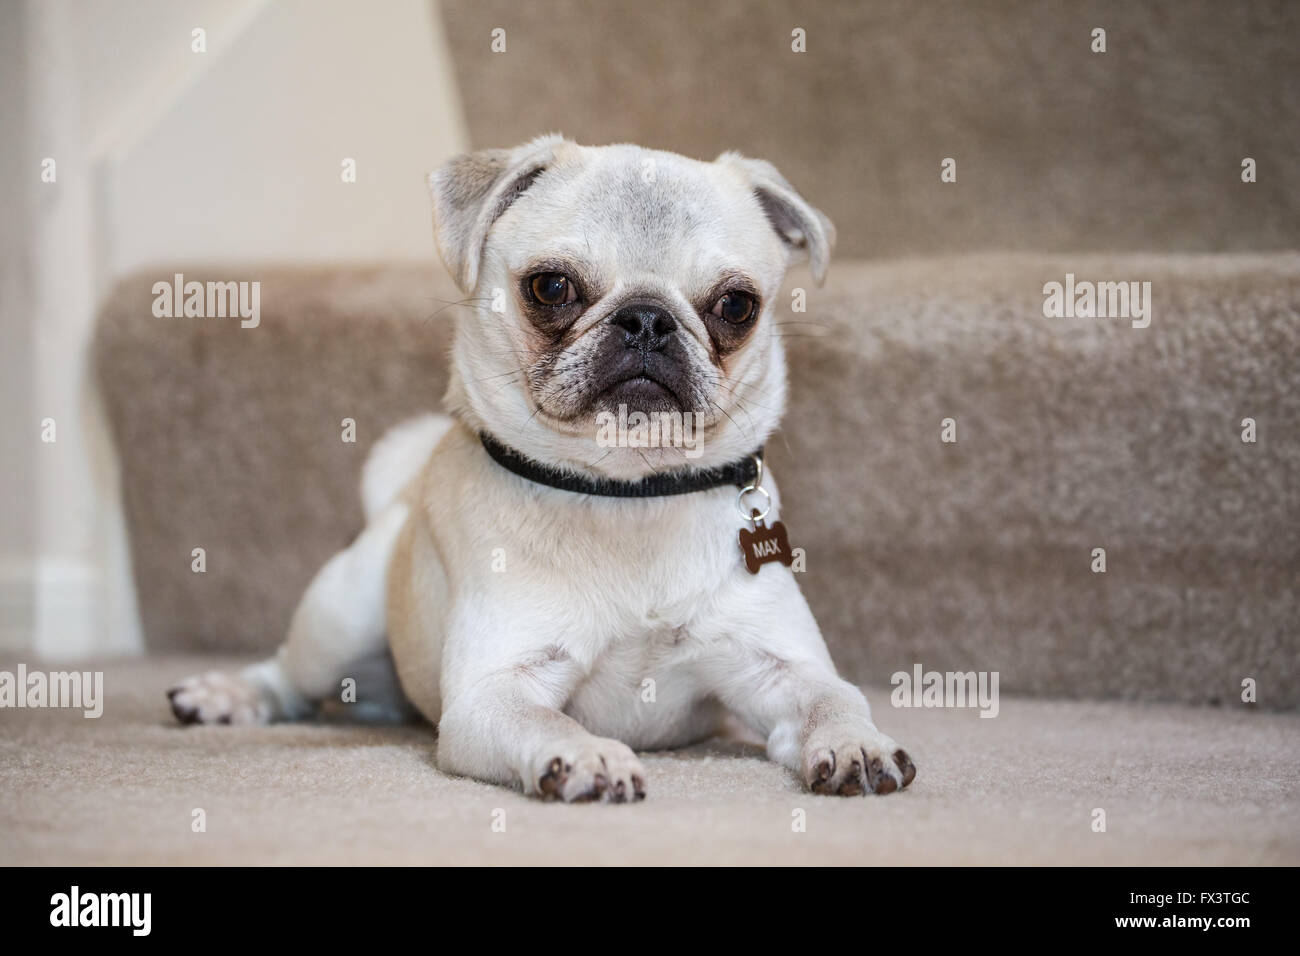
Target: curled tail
column 396, row 458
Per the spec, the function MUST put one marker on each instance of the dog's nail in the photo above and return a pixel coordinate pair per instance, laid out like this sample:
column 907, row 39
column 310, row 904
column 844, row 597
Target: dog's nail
column 620, row 792
column 638, row 788
column 550, row 782
column 822, row 774
column 852, row 785
column 598, row 788
column 905, row 765
column 880, row 781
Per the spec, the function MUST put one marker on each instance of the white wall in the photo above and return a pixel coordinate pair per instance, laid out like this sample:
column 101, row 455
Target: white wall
column 168, row 155
column 18, row 421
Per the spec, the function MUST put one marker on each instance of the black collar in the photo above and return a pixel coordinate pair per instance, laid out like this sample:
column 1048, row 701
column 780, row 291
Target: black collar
column 681, row 482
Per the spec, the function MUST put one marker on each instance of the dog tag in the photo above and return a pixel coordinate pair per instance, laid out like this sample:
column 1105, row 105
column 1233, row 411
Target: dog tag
column 765, row 544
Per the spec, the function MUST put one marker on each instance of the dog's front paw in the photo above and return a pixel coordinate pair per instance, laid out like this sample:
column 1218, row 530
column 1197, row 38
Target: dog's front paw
column 590, row 769
column 848, row 761
column 217, row 698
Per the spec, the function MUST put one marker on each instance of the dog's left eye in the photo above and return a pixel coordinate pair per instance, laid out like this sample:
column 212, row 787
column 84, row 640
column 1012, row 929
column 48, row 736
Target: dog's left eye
column 735, row 307
column 552, row 288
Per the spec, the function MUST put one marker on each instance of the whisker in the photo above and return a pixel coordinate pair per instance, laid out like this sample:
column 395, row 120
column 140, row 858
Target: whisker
column 740, row 403
column 729, row 418
column 732, row 392
column 451, row 305
column 556, row 390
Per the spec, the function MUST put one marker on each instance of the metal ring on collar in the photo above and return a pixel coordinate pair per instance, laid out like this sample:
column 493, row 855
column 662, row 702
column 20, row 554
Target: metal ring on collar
column 740, row 503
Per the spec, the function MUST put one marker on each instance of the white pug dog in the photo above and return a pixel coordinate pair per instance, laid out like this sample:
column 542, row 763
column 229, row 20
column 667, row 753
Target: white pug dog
column 551, row 600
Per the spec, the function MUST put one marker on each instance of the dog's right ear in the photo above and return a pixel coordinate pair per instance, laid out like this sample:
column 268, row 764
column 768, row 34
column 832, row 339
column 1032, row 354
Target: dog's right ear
column 471, row 191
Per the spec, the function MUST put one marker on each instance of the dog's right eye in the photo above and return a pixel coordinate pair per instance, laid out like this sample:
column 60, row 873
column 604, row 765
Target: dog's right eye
column 552, row 288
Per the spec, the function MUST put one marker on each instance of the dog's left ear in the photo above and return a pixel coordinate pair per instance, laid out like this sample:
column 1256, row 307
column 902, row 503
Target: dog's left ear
column 470, row 192
column 802, row 227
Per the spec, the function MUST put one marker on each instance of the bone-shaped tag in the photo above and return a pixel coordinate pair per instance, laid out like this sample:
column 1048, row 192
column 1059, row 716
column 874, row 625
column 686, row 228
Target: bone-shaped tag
column 765, row 544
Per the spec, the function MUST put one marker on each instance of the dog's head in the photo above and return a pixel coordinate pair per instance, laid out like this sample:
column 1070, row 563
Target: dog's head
column 610, row 281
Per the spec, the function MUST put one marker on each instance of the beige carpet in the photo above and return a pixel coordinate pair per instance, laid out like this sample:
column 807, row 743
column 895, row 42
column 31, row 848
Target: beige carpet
column 1178, row 784
column 1057, row 148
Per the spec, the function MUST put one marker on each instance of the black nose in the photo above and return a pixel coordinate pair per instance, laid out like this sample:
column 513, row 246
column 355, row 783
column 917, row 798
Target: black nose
column 647, row 325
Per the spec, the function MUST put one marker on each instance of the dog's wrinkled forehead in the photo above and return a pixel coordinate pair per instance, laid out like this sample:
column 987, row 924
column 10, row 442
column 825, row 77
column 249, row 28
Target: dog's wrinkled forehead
column 642, row 212
column 636, row 208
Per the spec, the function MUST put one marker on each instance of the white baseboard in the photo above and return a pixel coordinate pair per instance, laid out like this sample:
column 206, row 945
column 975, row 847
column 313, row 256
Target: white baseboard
column 58, row 609
column 69, row 620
